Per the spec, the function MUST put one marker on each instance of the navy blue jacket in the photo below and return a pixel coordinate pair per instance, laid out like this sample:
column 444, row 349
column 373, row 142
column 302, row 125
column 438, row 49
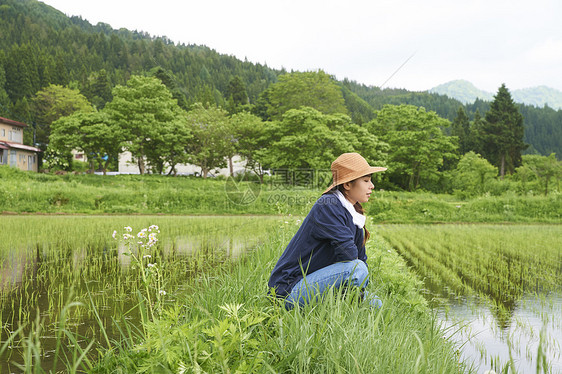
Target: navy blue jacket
column 327, row 235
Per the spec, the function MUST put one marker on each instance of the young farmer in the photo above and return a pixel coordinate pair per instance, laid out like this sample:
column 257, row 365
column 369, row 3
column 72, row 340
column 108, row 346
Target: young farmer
column 328, row 250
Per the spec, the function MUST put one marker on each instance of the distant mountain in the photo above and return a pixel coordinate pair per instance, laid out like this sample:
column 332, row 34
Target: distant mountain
column 467, row 93
column 463, row 91
column 539, row 96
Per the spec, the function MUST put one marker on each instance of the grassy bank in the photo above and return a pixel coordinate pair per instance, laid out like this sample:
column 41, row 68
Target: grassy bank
column 225, row 323
column 24, row 192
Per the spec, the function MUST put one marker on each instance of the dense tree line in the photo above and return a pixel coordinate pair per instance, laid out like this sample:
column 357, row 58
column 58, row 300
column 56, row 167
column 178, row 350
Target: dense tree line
column 542, row 126
column 145, row 119
column 41, row 46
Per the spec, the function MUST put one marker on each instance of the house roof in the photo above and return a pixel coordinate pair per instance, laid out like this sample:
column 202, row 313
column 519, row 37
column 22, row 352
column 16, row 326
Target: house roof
column 19, row 146
column 12, row 122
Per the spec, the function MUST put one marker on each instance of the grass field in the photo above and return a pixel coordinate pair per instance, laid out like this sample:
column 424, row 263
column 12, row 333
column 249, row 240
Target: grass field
column 154, row 194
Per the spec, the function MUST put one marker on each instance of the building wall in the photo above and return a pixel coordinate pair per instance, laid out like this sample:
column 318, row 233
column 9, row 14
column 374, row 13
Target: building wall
column 11, row 133
column 25, row 160
column 127, row 167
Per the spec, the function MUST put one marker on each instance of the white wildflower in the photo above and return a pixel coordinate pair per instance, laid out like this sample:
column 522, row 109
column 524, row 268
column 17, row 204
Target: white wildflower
column 141, row 234
column 128, row 228
column 127, row 236
column 151, row 265
column 162, row 292
column 114, row 233
column 147, row 256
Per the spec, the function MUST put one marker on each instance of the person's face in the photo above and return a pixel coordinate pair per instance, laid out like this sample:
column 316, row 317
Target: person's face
column 359, row 190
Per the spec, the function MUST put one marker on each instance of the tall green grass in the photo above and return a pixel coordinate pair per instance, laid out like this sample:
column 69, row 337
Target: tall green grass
column 227, row 324
column 155, row 194
column 46, row 263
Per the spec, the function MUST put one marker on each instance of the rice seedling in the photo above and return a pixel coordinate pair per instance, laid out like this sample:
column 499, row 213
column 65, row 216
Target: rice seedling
column 42, row 258
column 504, row 279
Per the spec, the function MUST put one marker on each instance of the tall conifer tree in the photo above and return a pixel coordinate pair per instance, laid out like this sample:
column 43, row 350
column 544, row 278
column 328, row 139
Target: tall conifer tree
column 461, row 128
column 502, row 133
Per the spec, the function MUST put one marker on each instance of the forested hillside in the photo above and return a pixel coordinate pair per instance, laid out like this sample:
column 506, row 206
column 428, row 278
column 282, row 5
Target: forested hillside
column 543, row 125
column 40, row 46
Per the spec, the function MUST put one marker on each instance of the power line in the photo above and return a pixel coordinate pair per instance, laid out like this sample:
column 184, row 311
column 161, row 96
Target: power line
column 396, row 71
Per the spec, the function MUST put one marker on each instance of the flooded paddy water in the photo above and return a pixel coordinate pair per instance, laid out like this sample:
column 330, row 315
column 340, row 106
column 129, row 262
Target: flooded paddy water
column 497, row 289
column 47, row 262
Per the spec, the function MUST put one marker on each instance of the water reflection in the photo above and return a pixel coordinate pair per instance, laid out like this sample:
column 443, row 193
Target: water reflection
column 39, row 278
column 490, row 337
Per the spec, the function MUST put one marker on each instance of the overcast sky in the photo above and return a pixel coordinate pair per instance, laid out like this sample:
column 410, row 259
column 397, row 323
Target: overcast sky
column 488, row 43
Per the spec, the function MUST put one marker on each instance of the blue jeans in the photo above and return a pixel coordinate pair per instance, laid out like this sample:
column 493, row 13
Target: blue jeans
column 347, row 274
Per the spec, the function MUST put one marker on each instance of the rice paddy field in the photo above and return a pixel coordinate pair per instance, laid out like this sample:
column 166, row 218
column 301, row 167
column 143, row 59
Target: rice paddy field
column 62, row 277
column 499, row 285
column 183, row 294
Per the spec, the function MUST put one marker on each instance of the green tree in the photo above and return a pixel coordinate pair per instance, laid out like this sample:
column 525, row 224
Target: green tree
column 21, row 78
column 236, row 95
column 98, row 89
column 461, row 129
column 249, row 135
column 143, row 109
column 473, row 174
column 52, row 103
column 4, row 98
column 168, row 150
column 312, row 89
column 418, row 146
column 368, row 145
column 474, row 141
column 93, row 133
column 502, row 133
column 169, row 81
column 212, row 138
column 545, row 168
column 303, row 139
column 61, row 72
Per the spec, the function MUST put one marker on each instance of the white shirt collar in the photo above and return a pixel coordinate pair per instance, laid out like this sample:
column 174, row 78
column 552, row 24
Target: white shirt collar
column 358, row 219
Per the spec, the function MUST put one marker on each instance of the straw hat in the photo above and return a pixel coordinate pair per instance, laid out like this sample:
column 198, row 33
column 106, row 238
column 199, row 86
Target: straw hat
column 350, row 166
